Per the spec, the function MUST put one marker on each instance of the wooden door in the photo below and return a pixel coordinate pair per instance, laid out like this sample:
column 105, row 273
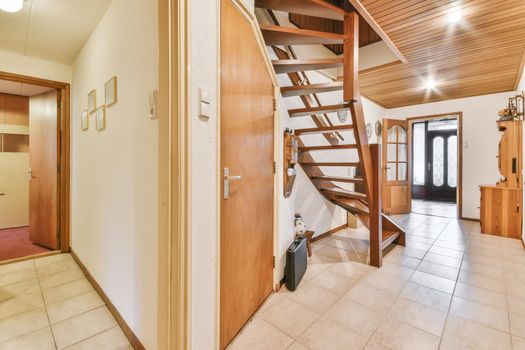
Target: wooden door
column 247, row 137
column 396, row 196
column 43, row 173
column 441, row 165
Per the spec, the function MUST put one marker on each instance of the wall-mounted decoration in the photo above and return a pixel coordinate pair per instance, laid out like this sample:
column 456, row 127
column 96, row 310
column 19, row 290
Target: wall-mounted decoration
column 101, row 118
column 379, row 128
column 343, row 115
column 291, row 154
column 110, row 91
column 369, row 130
column 520, row 105
column 92, row 101
column 84, row 120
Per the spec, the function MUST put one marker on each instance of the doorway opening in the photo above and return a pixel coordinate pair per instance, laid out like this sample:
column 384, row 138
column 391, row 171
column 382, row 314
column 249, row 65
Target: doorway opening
column 34, row 163
column 435, row 185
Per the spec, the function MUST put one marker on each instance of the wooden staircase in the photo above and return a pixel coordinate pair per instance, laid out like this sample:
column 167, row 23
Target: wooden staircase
column 364, row 201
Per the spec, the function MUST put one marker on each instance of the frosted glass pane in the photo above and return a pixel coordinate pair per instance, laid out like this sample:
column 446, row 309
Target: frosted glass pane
column 391, row 150
column 402, row 153
column 448, row 124
column 391, row 172
column 392, row 137
column 438, row 164
column 419, row 154
column 402, row 135
column 401, row 171
column 452, row 161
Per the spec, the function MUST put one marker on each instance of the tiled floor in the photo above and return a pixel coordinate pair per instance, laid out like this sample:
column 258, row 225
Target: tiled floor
column 449, row 288
column 434, row 208
column 47, row 303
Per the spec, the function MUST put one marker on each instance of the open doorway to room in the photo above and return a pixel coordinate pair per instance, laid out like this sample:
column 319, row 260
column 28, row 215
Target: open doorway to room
column 435, row 184
column 32, row 188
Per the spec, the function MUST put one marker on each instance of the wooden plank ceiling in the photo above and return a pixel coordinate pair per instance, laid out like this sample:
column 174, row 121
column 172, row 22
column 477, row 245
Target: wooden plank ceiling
column 482, row 54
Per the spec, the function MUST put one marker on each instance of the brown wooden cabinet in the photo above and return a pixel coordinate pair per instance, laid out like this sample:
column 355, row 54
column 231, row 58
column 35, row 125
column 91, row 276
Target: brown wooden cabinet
column 501, row 204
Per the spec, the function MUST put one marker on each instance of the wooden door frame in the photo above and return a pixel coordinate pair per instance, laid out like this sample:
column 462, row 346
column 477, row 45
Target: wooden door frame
column 459, row 189
column 63, row 160
column 250, row 17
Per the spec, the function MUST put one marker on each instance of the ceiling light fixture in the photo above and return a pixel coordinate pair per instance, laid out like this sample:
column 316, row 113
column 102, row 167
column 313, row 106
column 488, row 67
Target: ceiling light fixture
column 11, row 5
column 430, row 84
column 455, row 15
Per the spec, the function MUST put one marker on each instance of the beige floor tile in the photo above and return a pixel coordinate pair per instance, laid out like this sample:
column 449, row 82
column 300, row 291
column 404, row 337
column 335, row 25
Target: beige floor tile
column 339, row 255
column 450, row 345
column 483, row 314
column 439, row 270
column 354, row 316
column 112, row 339
column 427, row 296
column 15, row 267
column 17, row 276
column 419, row 316
column 446, row 252
column 518, row 343
column 259, row 335
column 481, row 281
column 398, row 335
column 274, row 298
column 290, row 317
column 352, row 270
column 475, row 335
column 314, row 270
column 333, row 282
column 371, row 297
column 450, row 245
column 482, row 269
column 41, row 339
column 66, row 290
column 483, row 259
column 411, row 252
column 428, row 241
column 22, row 324
column 297, row 346
column 516, row 304
column 51, row 268
column 435, row 282
column 57, row 279
column 390, row 284
column 314, row 297
column 17, row 289
column 398, row 271
column 74, row 306
column 418, row 245
column 443, row 260
column 326, row 334
column 374, row 346
column 402, row 260
column 21, row 304
column 83, row 326
column 481, row 296
column 517, row 325
column 53, row 259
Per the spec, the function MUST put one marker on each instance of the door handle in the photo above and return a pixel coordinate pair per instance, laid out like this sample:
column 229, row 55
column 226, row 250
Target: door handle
column 30, row 172
column 227, row 178
column 429, row 166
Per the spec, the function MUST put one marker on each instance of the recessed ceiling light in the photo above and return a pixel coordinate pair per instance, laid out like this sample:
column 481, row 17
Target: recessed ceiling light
column 430, row 84
column 455, row 15
column 11, row 5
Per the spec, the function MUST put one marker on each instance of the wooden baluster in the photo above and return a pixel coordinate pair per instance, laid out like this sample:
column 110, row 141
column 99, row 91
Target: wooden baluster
column 351, row 57
column 376, row 221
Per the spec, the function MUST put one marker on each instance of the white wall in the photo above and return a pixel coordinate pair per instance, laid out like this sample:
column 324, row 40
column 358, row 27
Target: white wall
column 114, row 172
column 480, row 140
column 34, row 67
column 521, row 87
column 14, row 204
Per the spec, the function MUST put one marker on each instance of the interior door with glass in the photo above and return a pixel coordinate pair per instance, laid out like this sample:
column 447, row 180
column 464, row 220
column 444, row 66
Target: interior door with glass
column 396, row 196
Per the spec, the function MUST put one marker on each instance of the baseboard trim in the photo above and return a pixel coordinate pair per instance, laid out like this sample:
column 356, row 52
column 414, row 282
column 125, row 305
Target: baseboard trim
column 469, row 219
column 132, row 338
column 328, row 233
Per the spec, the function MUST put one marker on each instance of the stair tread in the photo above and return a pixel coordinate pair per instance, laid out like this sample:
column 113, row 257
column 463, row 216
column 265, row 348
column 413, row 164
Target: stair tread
column 277, row 35
column 323, row 129
column 344, row 193
column 326, row 148
column 338, row 178
column 301, row 65
column 342, row 164
column 351, row 205
column 316, row 8
column 304, row 112
column 298, row 90
column 389, row 237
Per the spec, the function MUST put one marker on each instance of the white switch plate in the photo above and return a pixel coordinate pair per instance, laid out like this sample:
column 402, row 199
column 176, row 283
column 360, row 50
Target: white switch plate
column 204, row 104
column 153, row 105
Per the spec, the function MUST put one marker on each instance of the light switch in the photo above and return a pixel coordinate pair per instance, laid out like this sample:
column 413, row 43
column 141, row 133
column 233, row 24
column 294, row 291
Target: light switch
column 153, row 105
column 204, row 104
column 465, row 144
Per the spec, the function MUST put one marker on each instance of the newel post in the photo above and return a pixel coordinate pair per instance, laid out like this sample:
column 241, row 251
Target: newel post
column 351, row 57
column 376, row 228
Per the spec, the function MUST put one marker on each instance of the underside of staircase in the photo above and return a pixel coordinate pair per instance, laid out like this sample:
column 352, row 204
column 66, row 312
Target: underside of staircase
column 364, row 199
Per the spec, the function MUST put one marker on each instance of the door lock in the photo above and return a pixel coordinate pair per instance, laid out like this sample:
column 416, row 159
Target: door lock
column 227, row 178
column 30, row 173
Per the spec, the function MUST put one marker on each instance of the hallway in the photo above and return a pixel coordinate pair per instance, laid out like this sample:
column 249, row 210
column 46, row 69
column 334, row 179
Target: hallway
column 48, row 303
column 450, row 288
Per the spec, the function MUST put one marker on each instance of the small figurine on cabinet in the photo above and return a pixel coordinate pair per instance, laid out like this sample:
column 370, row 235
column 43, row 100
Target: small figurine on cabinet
column 300, row 226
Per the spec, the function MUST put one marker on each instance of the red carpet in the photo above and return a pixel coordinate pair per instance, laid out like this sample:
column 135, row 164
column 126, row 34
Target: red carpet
column 15, row 243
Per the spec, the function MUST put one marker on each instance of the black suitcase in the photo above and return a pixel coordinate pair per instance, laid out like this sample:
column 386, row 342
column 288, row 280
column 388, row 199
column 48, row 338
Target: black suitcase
column 295, row 263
